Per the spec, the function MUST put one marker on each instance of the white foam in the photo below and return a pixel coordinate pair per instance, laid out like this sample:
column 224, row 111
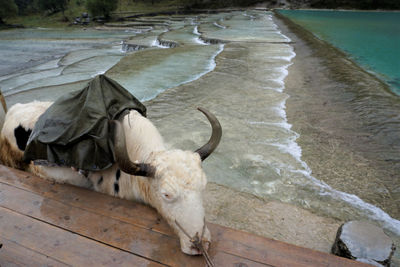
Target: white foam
column 280, row 110
column 156, row 43
column 290, row 147
column 283, row 73
column 219, row 25
column 198, row 39
column 283, row 70
column 196, row 30
column 287, row 58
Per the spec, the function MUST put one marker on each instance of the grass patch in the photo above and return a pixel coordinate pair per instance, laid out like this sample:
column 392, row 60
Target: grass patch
column 54, row 21
column 57, row 20
column 128, row 6
column 77, row 7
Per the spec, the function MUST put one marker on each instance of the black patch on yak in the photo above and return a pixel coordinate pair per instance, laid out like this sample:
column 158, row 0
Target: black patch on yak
column 118, row 174
column 100, row 180
column 116, row 188
column 22, row 136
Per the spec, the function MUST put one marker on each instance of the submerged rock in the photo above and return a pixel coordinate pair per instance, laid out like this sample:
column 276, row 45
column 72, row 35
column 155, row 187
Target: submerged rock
column 363, row 242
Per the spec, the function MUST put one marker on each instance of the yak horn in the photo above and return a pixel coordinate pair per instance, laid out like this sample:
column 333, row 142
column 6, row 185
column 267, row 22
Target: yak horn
column 122, row 157
column 212, row 144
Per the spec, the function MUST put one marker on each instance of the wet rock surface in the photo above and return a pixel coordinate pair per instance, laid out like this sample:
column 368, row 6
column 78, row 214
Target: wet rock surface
column 363, row 242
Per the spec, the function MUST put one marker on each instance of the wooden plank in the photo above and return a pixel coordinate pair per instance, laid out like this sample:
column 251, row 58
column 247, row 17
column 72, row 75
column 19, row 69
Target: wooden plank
column 128, row 237
column 107, row 206
column 127, row 211
column 221, row 258
column 62, row 246
column 139, row 229
column 272, row 252
column 13, row 254
column 9, row 194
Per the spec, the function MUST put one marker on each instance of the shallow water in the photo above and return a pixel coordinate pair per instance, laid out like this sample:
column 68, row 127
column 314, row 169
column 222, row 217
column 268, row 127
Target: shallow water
column 23, row 48
column 371, row 38
column 241, row 81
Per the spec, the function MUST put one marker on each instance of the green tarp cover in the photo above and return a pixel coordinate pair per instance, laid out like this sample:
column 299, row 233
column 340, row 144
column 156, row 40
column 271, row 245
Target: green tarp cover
column 75, row 130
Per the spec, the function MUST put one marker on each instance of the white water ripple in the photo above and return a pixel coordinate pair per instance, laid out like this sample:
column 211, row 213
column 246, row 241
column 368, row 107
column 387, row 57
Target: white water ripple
column 197, row 38
column 211, row 66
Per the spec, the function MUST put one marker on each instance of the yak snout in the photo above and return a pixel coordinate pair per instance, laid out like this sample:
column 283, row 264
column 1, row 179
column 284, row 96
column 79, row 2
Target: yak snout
column 193, row 244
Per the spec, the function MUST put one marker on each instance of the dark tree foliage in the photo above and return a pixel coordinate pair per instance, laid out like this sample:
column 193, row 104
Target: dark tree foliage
column 24, row 6
column 101, row 7
column 246, row 2
column 8, row 9
column 148, row 1
column 52, row 6
column 219, row 3
column 152, row 1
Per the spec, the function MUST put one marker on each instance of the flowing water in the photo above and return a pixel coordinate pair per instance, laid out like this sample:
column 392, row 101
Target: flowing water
column 233, row 64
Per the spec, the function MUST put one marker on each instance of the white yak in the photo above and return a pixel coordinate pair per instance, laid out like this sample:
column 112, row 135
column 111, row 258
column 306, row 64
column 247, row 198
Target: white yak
column 172, row 181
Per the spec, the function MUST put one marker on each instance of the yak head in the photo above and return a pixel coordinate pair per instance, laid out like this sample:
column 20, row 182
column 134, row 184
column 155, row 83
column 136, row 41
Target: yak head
column 176, row 184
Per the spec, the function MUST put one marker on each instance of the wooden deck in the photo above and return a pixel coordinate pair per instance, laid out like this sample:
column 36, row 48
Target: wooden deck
column 46, row 224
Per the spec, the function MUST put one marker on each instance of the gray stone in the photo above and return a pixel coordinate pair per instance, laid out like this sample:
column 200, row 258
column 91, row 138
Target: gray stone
column 364, row 242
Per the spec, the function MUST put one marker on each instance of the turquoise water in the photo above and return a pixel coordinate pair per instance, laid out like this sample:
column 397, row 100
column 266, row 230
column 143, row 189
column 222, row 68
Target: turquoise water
column 372, row 39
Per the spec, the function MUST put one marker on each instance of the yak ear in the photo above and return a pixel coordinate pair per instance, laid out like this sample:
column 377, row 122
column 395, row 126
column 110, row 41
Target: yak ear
column 215, row 138
column 122, row 157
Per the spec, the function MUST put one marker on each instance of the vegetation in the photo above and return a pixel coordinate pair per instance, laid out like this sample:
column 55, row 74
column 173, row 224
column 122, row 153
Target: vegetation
column 220, row 3
column 101, row 7
column 52, row 6
column 8, row 9
column 24, row 6
column 54, row 13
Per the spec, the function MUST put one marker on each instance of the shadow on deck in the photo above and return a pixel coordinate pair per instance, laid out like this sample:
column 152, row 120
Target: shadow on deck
column 47, row 224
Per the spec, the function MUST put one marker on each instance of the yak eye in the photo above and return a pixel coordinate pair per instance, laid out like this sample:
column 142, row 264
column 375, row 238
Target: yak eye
column 168, row 196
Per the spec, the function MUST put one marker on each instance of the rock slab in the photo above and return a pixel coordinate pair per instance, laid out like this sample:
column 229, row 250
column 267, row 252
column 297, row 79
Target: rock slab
column 364, row 242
